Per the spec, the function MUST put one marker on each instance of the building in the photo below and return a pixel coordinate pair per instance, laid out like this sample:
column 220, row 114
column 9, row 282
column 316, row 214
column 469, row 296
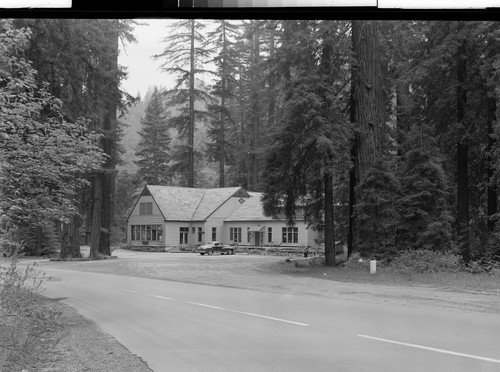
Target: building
column 167, row 216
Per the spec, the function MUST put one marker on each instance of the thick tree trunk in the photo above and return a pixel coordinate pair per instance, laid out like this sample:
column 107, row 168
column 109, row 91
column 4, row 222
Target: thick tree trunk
column 191, row 113
column 109, row 143
column 368, row 94
column 462, row 161
column 329, row 221
column 70, row 245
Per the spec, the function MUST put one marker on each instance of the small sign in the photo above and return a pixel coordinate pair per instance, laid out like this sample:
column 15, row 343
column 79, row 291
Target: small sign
column 241, row 200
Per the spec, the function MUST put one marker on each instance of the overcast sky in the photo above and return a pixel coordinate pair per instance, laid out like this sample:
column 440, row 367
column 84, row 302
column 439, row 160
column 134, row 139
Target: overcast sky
column 143, row 70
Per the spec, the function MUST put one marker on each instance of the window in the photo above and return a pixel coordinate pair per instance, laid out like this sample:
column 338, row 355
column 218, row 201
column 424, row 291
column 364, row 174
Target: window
column 183, row 235
column 290, row 234
column 200, row 234
column 214, row 234
column 152, row 233
column 235, row 234
column 249, row 236
column 145, row 208
column 269, row 234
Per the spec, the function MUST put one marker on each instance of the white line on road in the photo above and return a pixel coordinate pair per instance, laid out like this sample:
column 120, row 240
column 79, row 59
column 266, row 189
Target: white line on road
column 251, row 314
column 128, row 290
column 432, row 349
column 155, row 296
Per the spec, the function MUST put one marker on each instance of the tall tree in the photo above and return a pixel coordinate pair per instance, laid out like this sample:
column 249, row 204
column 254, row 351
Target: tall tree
column 69, row 55
column 184, row 56
column 311, row 144
column 367, row 114
column 223, row 38
column 45, row 157
column 154, row 144
column 104, row 181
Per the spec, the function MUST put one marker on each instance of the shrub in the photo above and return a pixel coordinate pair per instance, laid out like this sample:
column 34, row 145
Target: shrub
column 28, row 327
column 356, row 262
column 426, row 261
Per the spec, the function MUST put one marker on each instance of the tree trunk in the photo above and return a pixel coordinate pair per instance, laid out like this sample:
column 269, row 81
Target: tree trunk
column 492, row 185
column 109, row 143
column 222, row 108
column 462, row 161
column 96, row 217
column 352, row 201
column 255, row 108
column 329, row 221
column 70, row 245
column 368, row 94
column 191, row 112
column 402, row 113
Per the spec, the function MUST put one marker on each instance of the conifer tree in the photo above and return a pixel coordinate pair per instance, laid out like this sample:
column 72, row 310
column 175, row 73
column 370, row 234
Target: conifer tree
column 311, row 145
column 184, row 56
column 153, row 148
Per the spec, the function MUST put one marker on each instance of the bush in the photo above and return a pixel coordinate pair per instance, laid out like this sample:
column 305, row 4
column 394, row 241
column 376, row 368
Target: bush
column 426, row 261
column 356, row 262
column 28, row 327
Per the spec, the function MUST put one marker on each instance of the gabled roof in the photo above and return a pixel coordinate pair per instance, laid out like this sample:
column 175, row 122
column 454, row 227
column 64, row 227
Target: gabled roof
column 190, row 204
column 250, row 210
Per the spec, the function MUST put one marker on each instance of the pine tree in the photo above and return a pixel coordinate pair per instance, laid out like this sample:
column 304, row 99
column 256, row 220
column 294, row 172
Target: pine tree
column 153, row 148
column 183, row 56
column 224, row 89
column 311, row 145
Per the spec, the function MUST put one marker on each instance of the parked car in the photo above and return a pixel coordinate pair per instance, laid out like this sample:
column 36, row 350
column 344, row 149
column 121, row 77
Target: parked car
column 212, row 247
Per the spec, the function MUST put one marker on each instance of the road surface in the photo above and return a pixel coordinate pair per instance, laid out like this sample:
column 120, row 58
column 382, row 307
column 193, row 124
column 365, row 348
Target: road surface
column 179, row 327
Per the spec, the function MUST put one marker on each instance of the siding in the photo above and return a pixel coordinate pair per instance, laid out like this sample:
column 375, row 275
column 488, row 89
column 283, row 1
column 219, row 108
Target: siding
column 151, row 219
column 305, row 235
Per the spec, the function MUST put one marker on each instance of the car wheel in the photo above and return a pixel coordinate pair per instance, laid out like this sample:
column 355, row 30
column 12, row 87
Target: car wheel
column 202, row 253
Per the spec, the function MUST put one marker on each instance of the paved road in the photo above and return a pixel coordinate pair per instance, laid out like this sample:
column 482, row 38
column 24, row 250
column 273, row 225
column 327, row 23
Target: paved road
column 190, row 327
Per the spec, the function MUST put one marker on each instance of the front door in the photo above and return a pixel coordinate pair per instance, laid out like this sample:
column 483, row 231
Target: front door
column 257, row 238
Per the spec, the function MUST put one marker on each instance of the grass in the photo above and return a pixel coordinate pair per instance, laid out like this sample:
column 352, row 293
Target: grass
column 387, row 275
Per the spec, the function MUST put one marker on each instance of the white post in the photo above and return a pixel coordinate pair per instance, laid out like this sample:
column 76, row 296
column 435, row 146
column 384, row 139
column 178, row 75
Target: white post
column 373, row 266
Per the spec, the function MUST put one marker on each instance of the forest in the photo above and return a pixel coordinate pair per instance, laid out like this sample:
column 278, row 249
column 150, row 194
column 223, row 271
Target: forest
column 384, row 131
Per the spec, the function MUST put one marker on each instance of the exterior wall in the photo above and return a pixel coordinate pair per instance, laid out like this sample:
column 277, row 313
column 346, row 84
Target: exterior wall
column 156, row 218
column 172, row 233
column 216, row 220
column 305, row 236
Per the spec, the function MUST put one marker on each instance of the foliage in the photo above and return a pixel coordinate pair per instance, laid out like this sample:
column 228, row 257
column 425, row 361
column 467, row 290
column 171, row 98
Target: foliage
column 377, row 213
column 183, row 57
column 153, row 148
column 425, row 217
column 426, row 261
column 44, row 157
column 28, row 327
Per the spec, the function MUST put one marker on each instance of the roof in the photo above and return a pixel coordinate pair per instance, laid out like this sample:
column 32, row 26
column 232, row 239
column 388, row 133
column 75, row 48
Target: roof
column 250, row 210
column 190, row 204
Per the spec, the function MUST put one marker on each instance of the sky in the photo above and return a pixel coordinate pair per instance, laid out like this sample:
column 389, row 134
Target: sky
column 143, row 70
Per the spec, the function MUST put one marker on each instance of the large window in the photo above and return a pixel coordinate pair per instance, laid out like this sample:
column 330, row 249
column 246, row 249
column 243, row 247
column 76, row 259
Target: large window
column 214, row 234
column 145, row 208
column 269, row 234
column 235, row 234
column 183, row 235
column 152, row 233
column 290, row 234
